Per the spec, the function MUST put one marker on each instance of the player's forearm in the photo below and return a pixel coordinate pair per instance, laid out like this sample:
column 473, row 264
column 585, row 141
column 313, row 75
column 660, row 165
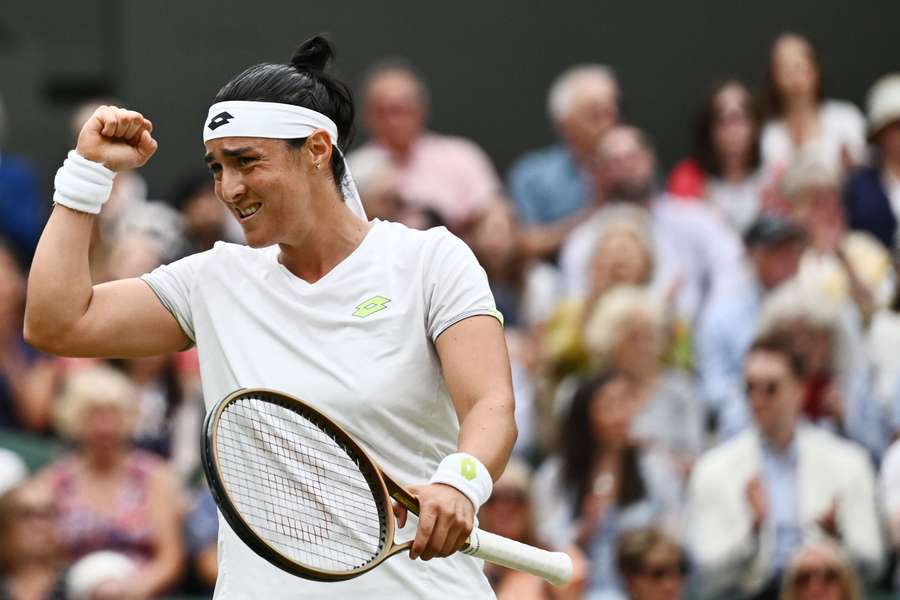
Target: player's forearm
column 488, row 432
column 59, row 283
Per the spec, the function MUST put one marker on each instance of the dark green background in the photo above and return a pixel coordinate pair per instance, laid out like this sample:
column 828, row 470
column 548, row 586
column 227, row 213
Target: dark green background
column 488, row 63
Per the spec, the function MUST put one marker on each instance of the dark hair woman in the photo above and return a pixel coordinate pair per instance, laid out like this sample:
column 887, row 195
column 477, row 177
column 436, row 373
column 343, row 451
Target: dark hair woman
column 599, row 483
column 724, row 166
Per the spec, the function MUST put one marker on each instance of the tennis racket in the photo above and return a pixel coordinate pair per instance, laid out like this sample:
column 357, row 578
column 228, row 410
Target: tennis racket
column 299, row 491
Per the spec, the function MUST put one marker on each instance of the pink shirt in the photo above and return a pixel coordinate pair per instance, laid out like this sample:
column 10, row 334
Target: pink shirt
column 450, row 175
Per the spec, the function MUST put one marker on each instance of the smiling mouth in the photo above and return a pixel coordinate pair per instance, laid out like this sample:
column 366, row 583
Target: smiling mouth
column 245, row 213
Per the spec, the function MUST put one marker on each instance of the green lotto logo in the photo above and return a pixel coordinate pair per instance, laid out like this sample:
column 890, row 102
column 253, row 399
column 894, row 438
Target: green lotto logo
column 468, row 469
column 371, row 306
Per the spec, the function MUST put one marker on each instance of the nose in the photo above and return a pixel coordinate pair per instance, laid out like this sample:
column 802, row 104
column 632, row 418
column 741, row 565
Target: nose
column 231, row 186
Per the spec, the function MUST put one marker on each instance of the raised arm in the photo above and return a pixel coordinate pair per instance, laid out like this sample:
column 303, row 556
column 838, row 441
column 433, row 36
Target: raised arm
column 65, row 314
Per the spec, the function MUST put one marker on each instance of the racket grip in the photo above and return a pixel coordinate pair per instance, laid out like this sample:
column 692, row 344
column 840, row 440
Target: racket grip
column 555, row 567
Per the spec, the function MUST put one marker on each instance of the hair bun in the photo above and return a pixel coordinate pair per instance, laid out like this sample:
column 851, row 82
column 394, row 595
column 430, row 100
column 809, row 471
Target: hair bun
column 313, row 55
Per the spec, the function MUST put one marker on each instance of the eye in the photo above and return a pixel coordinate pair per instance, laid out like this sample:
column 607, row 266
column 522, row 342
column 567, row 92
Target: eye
column 216, row 170
column 245, row 161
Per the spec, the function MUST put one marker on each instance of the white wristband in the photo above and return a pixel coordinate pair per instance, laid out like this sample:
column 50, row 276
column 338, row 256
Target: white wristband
column 82, row 184
column 468, row 475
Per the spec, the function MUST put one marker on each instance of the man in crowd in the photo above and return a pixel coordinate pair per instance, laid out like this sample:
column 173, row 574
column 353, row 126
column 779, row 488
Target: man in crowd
column 758, row 497
column 728, row 324
column 449, row 175
column 872, row 195
column 695, row 251
column 653, row 566
column 552, row 187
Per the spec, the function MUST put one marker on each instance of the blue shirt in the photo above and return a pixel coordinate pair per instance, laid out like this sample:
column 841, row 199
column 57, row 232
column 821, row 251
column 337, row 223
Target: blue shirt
column 22, row 206
column 780, row 482
column 548, row 185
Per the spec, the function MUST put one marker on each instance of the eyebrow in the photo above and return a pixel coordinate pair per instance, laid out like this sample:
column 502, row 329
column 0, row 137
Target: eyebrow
column 228, row 152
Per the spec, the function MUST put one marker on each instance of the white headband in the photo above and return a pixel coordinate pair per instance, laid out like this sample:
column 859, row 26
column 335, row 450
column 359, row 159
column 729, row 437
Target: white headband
column 238, row 118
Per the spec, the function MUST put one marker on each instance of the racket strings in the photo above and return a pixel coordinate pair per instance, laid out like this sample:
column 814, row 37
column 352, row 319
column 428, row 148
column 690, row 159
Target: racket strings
column 297, row 487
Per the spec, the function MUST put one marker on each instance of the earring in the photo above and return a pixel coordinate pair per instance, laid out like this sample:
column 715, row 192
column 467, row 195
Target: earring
column 318, row 166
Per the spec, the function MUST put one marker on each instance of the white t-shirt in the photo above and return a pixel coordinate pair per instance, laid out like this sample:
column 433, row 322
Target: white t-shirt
column 842, row 128
column 357, row 344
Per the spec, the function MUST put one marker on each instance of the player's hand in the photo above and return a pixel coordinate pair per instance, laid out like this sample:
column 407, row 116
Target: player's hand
column 446, row 518
column 120, row 139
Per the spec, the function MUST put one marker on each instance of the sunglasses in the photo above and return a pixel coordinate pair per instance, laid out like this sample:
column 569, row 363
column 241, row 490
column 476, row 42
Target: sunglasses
column 804, row 577
column 766, row 387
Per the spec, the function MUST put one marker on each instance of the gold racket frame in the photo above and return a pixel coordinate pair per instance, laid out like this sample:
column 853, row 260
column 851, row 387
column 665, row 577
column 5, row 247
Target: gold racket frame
column 246, row 532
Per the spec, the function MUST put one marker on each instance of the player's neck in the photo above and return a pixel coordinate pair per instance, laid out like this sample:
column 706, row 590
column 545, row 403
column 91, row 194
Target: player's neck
column 336, row 234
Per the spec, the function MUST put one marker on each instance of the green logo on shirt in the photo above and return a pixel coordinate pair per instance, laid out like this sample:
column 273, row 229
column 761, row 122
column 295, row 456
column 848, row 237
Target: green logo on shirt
column 371, row 306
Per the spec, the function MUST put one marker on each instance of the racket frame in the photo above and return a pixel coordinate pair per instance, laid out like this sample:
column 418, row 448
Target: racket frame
column 385, row 487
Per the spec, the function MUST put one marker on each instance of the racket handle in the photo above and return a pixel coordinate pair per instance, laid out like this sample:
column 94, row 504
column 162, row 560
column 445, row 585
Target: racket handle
column 555, row 567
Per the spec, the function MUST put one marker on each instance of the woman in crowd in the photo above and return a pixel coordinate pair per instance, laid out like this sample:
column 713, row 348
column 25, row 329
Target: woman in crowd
column 30, row 565
column 627, row 332
column 111, row 495
column 600, row 484
column 724, row 168
column 798, row 114
column 623, row 256
column 652, row 565
column 820, row 571
column 27, row 379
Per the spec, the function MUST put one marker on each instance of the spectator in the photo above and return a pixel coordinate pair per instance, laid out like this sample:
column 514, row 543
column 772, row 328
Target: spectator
column 623, row 255
column 696, row 253
column 551, row 187
column 840, row 264
column 820, row 571
column 724, row 169
column 600, row 484
column 204, row 217
column 27, row 378
column 30, row 565
column 799, row 116
column 836, row 376
column 872, row 196
column 21, row 201
column 758, row 497
column 726, row 328
column 112, row 496
column 652, row 565
column 627, row 332
column 449, row 175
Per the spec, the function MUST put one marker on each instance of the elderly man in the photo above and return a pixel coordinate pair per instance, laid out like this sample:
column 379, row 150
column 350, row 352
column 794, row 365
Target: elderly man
column 552, row 186
column 872, row 195
column 448, row 175
column 695, row 250
column 758, row 497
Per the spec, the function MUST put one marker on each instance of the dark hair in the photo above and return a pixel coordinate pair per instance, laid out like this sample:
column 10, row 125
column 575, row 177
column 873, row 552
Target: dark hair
column 772, row 104
column 305, row 83
column 580, row 448
column 188, row 187
column 634, row 546
column 705, row 121
column 776, row 342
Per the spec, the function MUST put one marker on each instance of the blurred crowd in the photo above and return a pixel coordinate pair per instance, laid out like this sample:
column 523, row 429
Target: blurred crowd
column 705, row 361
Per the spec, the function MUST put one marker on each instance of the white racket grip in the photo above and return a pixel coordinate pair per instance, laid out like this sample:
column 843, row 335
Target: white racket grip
column 555, row 567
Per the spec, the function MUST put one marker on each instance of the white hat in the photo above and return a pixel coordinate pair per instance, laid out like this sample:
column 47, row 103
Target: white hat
column 884, row 103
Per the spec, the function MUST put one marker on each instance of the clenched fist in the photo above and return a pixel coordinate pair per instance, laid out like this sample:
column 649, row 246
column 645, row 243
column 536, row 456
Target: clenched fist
column 119, row 138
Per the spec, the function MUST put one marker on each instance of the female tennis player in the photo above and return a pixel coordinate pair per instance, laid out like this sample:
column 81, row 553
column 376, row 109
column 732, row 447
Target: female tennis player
column 392, row 332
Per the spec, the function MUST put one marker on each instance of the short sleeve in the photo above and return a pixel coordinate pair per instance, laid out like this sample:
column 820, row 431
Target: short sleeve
column 456, row 287
column 173, row 283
